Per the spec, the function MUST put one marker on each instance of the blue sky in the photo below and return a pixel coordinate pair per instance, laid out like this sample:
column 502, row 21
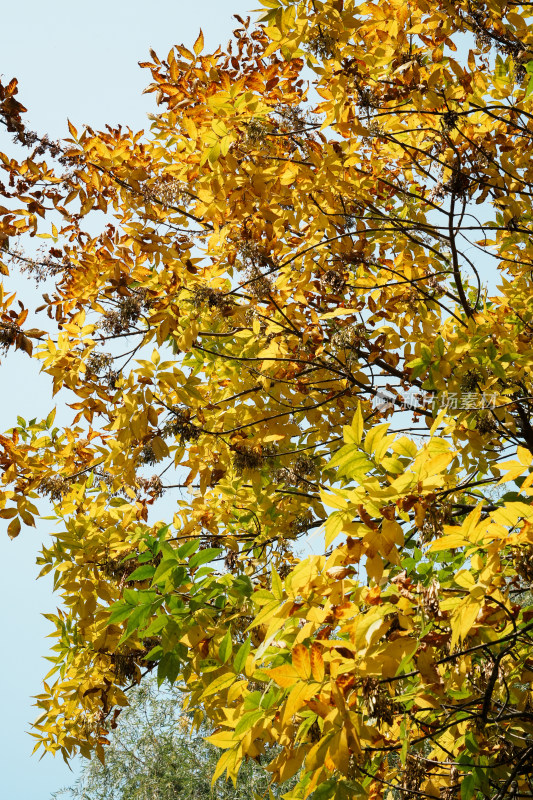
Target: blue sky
column 75, row 60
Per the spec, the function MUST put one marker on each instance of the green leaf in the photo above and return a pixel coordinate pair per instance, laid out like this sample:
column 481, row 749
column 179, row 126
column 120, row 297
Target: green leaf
column 277, row 585
column 135, row 597
column 142, row 573
column 168, row 668
column 467, row 787
column 242, row 654
column 136, row 618
column 119, row 612
column 154, row 654
column 326, row 789
column 248, row 720
column 159, row 623
column 204, row 557
column 418, row 366
column 187, row 549
column 225, row 649
column 148, row 603
column 405, row 741
column 165, row 566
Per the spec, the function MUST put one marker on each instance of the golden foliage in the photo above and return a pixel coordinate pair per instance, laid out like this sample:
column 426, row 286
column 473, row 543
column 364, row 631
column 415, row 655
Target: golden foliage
column 308, row 309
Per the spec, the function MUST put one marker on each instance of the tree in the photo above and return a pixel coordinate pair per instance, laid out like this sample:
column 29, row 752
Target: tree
column 308, row 309
column 151, row 757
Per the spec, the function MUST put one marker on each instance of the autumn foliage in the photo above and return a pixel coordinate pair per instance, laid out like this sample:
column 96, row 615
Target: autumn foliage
column 297, row 353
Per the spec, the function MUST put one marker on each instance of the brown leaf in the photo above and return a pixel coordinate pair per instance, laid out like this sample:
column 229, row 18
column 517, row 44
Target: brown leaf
column 13, row 529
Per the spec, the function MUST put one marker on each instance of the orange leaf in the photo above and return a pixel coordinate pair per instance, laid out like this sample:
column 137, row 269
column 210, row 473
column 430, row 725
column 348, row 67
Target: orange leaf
column 317, row 662
column 199, row 43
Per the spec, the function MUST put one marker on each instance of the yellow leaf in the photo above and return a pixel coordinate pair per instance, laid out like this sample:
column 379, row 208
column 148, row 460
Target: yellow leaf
column 353, row 433
column 223, row 681
column 265, row 614
column 286, row 764
column 391, row 534
column 465, row 579
column 190, row 127
column 336, row 500
column 339, row 312
column 301, row 661
column 223, row 739
column 374, row 436
column 297, row 698
column 339, row 752
column 440, row 416
column 199, row 44
column 284, row 675
column 469, row 525
column 315, row 757
column 449, row 542
column 434, row 466
column 510, row 513
column 223, row 763
column 525, row 457
column 463, row 619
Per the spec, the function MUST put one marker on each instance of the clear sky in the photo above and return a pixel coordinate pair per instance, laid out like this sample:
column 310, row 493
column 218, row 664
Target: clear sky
column 75, row 60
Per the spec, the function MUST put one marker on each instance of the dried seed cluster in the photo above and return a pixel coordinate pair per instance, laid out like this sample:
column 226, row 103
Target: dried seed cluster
column 523, row 561
column 168, row 191
column 377, row 702
column 335, row 280
column 430, row 600
column 469, row 381
column 413, row 775
column 322, row 45
column 147, row 455
column 54, row 487
column 256, row 131
column 436, row 517
column 152, row 486
column 486, row 424
column 212, row 298
column 247, row 457
column 300, row 524
column 181, row 426
column 8, row 334
column 296, row 475
column 125, row 667
column 128, row 311
column 349, row 338
column 97, row 363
